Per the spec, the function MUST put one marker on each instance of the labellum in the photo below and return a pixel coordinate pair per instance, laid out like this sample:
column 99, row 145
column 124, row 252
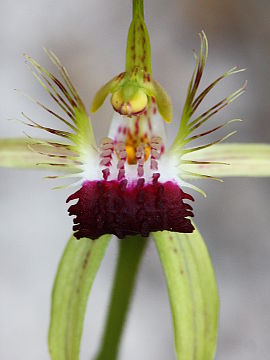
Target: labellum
column 134, row 193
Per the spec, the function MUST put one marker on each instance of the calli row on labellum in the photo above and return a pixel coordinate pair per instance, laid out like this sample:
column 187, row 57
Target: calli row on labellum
column 132, row 183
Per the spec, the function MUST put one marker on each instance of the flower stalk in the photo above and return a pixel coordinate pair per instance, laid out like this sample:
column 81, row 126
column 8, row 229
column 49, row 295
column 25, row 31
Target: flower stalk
column 131, row 251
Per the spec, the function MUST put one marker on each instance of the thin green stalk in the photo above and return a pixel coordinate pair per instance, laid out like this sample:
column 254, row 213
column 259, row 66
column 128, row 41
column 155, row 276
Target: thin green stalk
column 130, row 254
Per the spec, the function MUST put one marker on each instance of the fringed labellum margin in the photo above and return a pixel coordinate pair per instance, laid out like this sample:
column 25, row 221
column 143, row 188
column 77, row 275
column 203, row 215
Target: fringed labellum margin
column 113, row 207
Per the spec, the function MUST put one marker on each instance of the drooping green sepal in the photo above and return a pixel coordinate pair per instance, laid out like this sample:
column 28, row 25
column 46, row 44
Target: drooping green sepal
column 73, row 282
column 193, row 293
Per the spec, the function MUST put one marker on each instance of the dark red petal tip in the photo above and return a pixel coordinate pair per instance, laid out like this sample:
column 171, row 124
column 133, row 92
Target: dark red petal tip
column 112, row 207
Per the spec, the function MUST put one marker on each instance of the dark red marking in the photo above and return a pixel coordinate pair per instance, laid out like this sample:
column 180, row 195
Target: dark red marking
column 112, row 207
column 137, row 127
column 155, row 177
column 149, row 124
column 106, row 173
column 120, row 76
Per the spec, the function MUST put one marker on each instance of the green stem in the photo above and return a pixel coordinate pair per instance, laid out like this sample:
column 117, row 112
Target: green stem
column 130, row 254
column 138, row 7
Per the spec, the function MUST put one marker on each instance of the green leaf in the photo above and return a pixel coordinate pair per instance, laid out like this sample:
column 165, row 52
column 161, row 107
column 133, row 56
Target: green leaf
column 74, row 279
column 240, row 160
column 192, row 291
column 30, row 153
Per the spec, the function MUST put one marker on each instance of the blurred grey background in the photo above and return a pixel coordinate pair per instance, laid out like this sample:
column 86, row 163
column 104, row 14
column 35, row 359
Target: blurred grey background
column 89, row 37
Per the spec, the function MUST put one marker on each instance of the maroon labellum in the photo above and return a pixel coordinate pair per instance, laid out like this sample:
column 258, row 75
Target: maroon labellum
column 121, row 208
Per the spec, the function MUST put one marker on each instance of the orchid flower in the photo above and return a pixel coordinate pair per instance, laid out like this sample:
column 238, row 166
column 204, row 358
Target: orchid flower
column 135, row 186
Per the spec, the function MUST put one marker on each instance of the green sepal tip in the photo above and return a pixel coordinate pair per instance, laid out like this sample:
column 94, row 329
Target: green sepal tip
column 132, row 90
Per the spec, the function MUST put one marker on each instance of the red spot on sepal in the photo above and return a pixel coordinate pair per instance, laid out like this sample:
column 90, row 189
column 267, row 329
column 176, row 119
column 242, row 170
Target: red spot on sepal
column 119, row 208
